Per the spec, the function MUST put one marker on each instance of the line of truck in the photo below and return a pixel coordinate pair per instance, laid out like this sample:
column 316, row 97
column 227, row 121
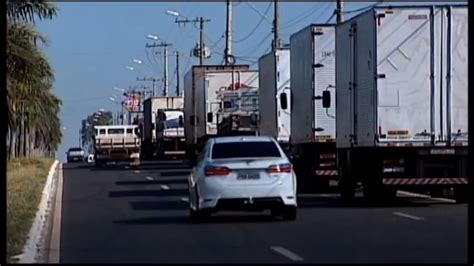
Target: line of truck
column 379, row 100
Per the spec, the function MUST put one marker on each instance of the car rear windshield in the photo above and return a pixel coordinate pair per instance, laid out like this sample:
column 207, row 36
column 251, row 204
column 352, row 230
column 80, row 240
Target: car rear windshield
column 116, row 131
column 75, row 149
column 245, row 150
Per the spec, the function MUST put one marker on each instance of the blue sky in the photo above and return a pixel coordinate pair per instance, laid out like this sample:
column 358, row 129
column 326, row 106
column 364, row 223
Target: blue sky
column 92, row 43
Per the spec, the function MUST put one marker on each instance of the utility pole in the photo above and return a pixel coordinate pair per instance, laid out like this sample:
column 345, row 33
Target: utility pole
column 152, row 80
column 228, row 35
column 201, row 22
column 177, row 73
column 165, row 52
column 276, row 26
column 339, row 8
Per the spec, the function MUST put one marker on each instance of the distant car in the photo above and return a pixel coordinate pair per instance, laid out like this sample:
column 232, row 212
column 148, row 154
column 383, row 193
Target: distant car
column 75, row 155
column 90, row 158
column 242, row 173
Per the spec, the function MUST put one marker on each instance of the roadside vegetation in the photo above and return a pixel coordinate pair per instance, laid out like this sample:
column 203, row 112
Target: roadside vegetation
column 34, row 126
column 25, row 183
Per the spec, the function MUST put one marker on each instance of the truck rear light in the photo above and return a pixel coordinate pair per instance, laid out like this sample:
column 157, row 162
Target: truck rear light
column 216, row 171
column 277, row 169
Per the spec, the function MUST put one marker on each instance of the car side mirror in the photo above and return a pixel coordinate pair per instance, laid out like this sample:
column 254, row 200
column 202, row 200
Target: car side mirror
column 209, row 117
column 283, row 101
column 326, row 99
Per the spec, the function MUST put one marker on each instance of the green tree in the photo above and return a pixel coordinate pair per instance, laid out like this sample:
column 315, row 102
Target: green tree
column 34, row 126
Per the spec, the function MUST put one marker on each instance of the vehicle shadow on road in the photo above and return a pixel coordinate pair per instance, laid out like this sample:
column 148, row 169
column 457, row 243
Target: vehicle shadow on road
column 217, row 219
column 316, row 201
column 151, row 182
column 148, row 193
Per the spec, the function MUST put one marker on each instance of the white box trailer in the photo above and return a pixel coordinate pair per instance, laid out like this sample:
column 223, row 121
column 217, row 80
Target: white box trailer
column 313, row 112
column 150, row 110
column 201, row 104
column 275, row 95
column 402, row 99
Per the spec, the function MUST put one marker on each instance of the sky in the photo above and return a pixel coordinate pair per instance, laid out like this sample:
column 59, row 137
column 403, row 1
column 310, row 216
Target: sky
column 91, row 45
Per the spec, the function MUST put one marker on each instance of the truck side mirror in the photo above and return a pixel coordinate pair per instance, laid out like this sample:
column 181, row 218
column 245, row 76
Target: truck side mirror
column 209, row 117
column 326, row 99
column 180, row 120
column 283, row 101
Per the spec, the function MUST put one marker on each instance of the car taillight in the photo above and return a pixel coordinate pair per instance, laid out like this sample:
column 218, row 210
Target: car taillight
column 213, row 171
column 282, row 168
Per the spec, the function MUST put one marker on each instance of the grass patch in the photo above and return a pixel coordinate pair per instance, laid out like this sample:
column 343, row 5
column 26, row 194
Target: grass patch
column 25, row 182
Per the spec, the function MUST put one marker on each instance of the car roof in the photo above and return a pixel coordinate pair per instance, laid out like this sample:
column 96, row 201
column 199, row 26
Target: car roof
column 242, row 139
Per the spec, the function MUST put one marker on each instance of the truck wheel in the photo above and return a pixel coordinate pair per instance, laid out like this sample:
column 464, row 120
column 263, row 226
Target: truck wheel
column 461, row 194
column 289, row 213
column 372, row 190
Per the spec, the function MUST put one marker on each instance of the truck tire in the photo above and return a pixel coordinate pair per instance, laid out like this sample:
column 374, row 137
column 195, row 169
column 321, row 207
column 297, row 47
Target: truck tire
column 372, row 189
column 461, row 194
column 347, row 183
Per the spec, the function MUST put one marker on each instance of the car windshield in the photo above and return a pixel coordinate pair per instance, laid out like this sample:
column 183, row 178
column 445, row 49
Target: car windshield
column 251, row 149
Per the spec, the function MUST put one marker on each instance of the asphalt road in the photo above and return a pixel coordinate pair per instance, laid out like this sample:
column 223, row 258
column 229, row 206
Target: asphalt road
column 120, row 215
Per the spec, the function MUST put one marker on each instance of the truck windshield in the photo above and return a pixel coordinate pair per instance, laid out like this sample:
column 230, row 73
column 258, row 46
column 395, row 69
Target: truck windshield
column 172, row 123
column 245, row 150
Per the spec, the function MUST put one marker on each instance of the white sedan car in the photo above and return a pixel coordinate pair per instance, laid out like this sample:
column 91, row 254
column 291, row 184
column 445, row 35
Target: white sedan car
column 242, row 173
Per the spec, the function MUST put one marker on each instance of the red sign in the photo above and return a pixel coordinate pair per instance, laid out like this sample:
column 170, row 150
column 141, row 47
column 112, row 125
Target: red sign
column 133, row 102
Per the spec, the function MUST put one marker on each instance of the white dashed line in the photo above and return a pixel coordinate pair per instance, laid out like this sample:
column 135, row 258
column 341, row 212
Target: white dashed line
column 401, row 214
column 285, row 252
column 149, row 178
column 185, row 199
column 127, row 167
column 137, row 171
column 406, row 193
column 165, row 187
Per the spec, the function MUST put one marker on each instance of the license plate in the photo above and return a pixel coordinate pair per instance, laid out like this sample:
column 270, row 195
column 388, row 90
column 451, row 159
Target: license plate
column 248, row 176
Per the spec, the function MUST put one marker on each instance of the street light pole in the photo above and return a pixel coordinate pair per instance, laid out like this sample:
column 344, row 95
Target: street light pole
column 165, row 46
column 177, row 73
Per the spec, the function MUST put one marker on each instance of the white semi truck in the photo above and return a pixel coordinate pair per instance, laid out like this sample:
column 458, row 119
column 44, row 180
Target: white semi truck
column 170, row 133
column 201, row 104
column 313, row 110
column 401, row 78
column 150, row 111
column 117, row 143
column 238, row 113
column 275, row 96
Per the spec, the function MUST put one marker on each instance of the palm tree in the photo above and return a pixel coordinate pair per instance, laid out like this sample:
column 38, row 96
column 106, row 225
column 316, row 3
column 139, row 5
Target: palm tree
column 33, row 122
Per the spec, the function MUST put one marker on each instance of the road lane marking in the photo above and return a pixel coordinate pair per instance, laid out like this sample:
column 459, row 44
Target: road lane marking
column 185, row 199
column 405, row 215
column 137, row 171
column 127, row 167
column 285, row 252
column 149, row 178
column 165, row 187
column 426, row 196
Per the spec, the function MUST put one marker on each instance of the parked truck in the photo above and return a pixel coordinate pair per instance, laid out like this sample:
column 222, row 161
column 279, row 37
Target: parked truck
column 313, row 113
column 150, row 111
column 117, row 143
column 275, row 96
column 402, row 101
column 239, row 110
column 201, row 106
column 170, row 133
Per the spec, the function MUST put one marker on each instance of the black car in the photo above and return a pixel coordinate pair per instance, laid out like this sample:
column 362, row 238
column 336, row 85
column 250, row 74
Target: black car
column 75, row 155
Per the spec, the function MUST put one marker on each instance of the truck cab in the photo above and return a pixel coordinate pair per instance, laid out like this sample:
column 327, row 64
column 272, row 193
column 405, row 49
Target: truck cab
column 170, row 133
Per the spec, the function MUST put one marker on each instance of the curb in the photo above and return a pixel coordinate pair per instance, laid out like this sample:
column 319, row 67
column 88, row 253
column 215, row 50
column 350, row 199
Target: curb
column 32, row 246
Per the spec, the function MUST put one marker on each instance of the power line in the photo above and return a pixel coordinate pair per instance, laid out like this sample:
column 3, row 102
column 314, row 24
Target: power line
column 256, row 26
column 299, row 18
column 327, row 6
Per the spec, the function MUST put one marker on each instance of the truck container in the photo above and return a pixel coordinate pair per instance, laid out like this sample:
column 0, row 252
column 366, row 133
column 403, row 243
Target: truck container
column 150, row 109
column 313, row 113
column 402, row 101
column 275, row 96
column 238, row 112
column 170, row 133
column 117, row 143
column 201, row 84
